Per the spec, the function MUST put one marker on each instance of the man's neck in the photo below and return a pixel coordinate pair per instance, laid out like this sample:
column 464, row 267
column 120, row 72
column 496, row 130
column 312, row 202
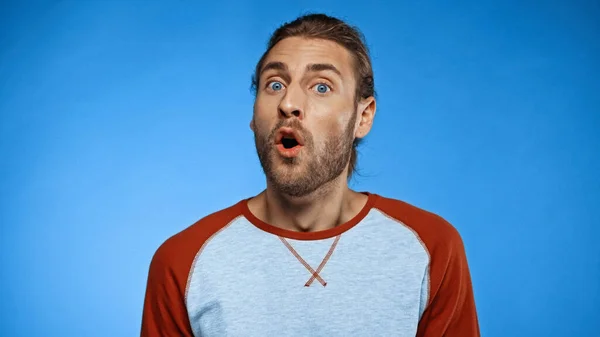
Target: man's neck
column 325, row 208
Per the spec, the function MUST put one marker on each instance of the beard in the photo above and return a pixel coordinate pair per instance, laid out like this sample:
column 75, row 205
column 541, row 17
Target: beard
column 313, row 168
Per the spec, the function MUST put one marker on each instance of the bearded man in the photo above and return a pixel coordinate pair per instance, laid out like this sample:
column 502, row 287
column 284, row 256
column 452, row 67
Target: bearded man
column 308, row 256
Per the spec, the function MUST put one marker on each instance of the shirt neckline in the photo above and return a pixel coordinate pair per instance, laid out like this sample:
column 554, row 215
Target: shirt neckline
column 317, row 235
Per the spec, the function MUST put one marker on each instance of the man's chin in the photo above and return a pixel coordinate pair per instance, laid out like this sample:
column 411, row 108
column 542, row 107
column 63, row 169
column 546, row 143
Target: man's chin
column 285, row 173
column 288, row 172
column 279, row 160
column 293, row 188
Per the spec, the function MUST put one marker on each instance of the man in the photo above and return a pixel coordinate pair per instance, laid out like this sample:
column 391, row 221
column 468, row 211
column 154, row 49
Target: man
column 308, row 256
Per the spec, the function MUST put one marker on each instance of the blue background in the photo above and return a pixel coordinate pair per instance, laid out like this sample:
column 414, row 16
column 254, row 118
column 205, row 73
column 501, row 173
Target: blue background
column 124, row 122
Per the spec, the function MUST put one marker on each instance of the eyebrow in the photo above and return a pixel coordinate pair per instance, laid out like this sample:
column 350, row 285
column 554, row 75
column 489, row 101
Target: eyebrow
column 323, row 67
column 277, row 66
column 314, row 67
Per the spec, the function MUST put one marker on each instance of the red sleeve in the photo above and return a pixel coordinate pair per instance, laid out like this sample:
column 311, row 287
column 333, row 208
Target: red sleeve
column 165, row 312
column 451, row 307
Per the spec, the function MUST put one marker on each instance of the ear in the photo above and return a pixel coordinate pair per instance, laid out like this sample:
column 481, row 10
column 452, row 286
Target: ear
column 366, row 113
column 252, row 124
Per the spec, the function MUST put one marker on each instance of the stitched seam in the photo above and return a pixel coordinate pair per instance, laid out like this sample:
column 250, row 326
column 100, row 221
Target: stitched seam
column 424, row 248
column 324, row 262
column 306, row 265
column 193, row 267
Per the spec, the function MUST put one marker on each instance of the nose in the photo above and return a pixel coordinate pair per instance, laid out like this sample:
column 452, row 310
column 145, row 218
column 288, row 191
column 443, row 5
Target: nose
column 291, row 104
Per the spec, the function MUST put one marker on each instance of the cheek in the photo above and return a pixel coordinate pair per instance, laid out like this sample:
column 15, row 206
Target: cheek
column 333, row 110
column 263, row 118
column 325, row 130
column 266, row 102
column 333, row 124
column 261, row 129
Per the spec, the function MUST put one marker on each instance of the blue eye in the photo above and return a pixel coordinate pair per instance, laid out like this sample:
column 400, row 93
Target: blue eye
column 275, row 86
column 322, row 88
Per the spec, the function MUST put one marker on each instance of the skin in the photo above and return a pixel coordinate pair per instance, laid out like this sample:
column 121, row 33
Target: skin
column 309, row 192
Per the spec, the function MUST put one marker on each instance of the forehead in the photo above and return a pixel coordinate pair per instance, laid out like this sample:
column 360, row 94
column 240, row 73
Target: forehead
column 298, row 52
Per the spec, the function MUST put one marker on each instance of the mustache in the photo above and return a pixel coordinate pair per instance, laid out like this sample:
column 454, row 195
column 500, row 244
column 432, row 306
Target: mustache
column 293, row 124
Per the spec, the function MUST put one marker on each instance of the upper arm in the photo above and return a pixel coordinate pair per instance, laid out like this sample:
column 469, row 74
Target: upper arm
column 164, row 312
column 451, row 307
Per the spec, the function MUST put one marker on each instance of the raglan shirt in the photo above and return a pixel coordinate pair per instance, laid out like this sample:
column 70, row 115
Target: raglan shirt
column 393, row 270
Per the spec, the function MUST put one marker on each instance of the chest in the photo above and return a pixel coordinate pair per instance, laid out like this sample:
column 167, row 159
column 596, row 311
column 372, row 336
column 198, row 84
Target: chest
column 303, row 291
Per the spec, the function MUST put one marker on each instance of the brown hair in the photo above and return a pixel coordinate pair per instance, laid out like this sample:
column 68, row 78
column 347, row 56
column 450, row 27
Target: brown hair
column 321, row 26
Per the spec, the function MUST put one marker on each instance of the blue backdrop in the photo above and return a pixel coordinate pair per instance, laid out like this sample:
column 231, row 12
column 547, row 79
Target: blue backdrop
column 124, row 122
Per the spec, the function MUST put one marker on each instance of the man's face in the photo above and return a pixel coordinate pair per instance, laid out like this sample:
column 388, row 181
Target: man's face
column 305, row 116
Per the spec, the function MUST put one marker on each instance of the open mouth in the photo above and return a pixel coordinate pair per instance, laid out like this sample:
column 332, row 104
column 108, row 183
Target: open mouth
column 288, row 138
column 289, row 142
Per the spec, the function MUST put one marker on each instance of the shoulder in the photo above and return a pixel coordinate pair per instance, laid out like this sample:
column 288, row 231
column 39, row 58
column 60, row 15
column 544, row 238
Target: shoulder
column 435, row 233
column 178, row 252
